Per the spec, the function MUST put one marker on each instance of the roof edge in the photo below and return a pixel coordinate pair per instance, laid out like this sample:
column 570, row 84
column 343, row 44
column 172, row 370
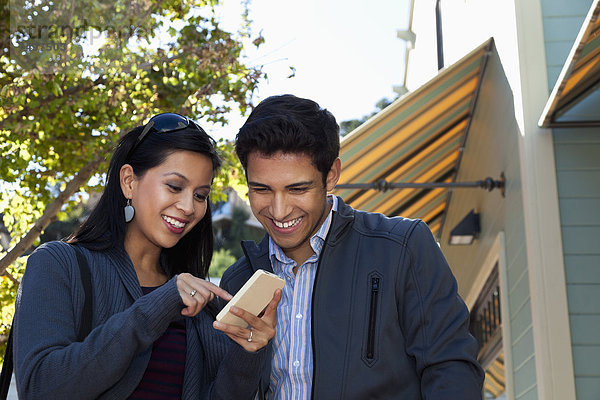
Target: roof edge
column 408, row 96
column 545, row 120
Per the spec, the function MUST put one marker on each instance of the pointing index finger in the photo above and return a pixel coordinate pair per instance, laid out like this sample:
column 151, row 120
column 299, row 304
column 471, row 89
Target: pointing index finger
column 222, row 293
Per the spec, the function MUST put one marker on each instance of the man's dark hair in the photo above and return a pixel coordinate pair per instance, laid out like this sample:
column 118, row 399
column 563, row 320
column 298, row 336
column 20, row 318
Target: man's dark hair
column 290, row 124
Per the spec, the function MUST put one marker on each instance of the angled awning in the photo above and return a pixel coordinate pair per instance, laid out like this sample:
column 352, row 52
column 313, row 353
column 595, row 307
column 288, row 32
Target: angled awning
column 575, row 99
column 418, row 138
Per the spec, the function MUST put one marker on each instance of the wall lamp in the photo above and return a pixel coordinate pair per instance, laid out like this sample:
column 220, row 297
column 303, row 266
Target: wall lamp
column 466, row 231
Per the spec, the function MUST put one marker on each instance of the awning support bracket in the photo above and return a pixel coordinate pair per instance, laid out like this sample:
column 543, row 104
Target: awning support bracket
column 383, row 186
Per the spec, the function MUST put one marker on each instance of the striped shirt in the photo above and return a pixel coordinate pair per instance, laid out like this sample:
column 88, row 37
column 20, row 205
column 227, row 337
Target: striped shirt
column 163, row 378
column 292, row 366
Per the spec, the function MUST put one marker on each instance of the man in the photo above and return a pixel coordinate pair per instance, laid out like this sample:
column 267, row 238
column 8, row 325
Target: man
column 370, row 307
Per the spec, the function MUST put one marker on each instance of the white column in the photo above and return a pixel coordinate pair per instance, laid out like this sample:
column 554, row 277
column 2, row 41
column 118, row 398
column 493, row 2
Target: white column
column 549, row 307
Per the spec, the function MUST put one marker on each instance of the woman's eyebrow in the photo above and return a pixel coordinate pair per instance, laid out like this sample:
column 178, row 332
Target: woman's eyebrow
column 180, row 175
column 177, row 174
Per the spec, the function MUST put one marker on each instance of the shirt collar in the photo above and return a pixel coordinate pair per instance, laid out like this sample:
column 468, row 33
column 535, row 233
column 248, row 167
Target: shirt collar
column 275, row 252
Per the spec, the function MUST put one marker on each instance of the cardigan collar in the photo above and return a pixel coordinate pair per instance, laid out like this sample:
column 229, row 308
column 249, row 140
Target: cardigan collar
column 124, row 266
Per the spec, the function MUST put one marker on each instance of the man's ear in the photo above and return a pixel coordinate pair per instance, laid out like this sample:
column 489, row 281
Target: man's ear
column 334, row 174
column 127, row 180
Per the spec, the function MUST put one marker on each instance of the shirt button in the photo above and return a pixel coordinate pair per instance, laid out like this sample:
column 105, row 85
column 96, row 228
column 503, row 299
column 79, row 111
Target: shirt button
column 296, row 364
column 298, row 316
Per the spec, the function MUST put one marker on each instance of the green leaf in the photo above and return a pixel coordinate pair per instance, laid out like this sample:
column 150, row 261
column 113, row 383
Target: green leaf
column 56, row 89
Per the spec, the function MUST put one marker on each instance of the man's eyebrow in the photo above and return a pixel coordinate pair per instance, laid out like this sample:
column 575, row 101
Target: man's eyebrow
column 290, row 186
column 252, row 183
column 300, row 184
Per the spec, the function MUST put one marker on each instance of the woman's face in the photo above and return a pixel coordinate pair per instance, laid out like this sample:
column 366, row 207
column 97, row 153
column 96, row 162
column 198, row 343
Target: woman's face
column 169, row 199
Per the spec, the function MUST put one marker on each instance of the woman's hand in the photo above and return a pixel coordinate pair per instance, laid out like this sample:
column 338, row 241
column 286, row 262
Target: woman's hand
column 260, row 330
column 196, row 293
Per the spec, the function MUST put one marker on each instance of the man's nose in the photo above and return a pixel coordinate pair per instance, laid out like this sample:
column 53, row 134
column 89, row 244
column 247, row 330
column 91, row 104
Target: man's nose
column 280, row 207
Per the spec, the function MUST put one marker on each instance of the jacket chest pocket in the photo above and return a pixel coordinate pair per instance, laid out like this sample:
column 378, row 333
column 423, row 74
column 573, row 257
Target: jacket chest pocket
column 372, row 318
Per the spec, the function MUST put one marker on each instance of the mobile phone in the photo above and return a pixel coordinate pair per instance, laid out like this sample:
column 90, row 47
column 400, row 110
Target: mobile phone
column 253, row 297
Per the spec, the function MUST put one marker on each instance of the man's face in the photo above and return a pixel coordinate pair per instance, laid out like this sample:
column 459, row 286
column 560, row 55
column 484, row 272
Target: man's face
column 289, row 199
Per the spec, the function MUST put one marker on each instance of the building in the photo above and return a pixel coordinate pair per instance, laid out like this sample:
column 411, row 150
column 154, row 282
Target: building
column 514, row 114
column 227, row 230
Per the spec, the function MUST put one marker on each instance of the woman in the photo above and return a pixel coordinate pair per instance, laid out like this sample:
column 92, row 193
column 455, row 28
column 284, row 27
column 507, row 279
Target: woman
column 148, row 244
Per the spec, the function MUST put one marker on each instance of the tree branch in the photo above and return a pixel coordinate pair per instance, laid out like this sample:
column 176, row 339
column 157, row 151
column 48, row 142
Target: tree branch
column 25, row 111
column 9, row 276
column 50, row 212
column 46, row 100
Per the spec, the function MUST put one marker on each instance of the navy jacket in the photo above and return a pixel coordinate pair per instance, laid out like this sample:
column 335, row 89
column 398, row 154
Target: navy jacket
column 387, row 322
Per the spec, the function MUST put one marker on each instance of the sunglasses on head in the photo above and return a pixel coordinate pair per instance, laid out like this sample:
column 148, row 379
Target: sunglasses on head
column 164, row 123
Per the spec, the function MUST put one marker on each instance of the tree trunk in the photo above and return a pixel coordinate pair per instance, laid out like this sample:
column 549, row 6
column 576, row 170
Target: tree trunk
column 50, row 212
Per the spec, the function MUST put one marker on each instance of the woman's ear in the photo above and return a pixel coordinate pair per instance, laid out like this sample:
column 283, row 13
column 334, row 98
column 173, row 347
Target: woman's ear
column 127, row 180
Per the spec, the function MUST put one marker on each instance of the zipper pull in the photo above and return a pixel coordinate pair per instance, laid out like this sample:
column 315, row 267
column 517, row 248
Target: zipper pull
column 374, row 284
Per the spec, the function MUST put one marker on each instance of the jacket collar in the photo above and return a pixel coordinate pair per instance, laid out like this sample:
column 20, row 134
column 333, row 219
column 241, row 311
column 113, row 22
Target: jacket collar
column 258, row 254
column 342, row 220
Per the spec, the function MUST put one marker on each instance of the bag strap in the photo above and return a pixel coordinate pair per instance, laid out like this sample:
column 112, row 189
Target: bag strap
column 86, row 280
column 7, row 368
column 84, row 329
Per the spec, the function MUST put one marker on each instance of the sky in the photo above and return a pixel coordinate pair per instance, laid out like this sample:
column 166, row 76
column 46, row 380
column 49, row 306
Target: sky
column 345, row 53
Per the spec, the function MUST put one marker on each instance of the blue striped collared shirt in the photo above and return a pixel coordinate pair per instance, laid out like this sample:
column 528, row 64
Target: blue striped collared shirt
column 292, row 365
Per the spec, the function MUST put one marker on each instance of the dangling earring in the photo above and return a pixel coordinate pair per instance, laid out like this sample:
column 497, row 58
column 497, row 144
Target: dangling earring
column 129, row 211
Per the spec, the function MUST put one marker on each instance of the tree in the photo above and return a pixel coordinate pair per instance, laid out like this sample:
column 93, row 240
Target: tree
column 230, row 236
column 62, row 110
column 222, row 259
column 349, row 125
column 64, row 106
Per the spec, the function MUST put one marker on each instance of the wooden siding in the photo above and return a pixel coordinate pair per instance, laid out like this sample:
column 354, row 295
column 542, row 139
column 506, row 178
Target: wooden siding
column 577, row 154
column 562, row 21
column 492, row 148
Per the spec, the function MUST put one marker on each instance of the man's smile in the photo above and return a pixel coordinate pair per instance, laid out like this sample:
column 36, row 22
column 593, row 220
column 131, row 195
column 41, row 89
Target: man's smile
column 287, row 224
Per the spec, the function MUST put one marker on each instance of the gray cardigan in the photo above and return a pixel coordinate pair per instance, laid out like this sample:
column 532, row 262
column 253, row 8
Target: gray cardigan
column 110, row 362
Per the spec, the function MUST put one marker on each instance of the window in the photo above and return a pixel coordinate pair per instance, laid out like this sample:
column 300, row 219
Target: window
column 486, row 326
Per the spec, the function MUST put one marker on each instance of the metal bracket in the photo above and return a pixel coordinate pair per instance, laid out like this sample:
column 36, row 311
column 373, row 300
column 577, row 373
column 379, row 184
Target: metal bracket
column 383, row 186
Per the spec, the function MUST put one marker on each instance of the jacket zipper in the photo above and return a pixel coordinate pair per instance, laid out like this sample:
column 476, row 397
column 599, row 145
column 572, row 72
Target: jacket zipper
column 372, row 318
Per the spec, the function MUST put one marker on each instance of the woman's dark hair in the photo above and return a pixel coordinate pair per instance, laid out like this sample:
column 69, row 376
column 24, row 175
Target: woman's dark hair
column 105, row 228
column 290, row 124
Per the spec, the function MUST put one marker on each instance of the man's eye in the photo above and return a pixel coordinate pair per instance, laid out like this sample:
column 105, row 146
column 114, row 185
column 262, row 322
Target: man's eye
column 298, row 190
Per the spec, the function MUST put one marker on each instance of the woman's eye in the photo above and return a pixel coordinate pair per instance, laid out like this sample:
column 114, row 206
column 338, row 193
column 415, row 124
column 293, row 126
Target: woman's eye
column 174, row 188
column 200, row 197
